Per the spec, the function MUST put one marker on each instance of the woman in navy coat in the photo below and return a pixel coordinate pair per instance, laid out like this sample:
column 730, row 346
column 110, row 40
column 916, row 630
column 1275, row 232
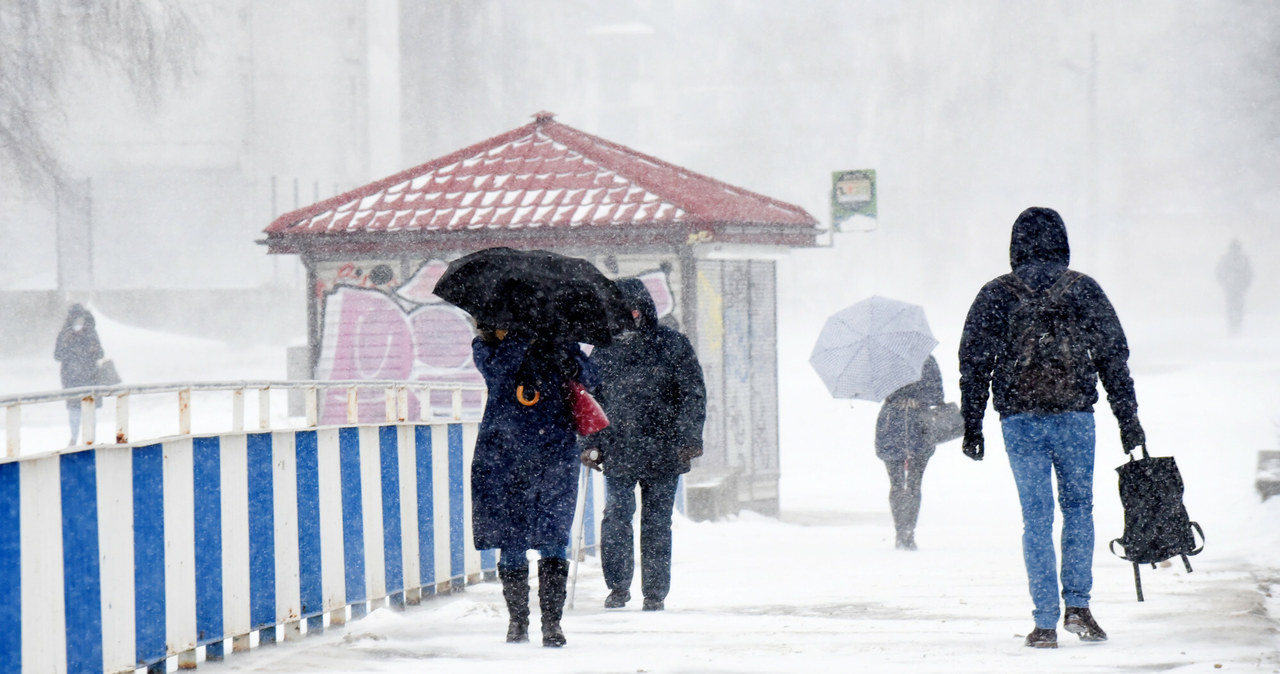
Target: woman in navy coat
column 524, row 476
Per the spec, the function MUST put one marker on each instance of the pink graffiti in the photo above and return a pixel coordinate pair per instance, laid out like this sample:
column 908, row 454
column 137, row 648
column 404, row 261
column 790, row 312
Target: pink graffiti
column 367, row 335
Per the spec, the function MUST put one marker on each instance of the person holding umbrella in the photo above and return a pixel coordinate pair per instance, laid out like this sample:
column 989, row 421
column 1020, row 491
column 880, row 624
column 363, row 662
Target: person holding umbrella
column 532, row 309
column 904, row 443
column 524, row 474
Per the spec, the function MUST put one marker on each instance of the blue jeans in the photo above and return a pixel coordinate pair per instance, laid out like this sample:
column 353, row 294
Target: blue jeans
column 617, row 551
column 1040, row 446
column 518, row 559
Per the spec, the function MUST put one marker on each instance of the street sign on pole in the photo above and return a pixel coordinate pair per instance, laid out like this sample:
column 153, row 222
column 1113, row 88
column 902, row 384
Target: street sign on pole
column 853, row 200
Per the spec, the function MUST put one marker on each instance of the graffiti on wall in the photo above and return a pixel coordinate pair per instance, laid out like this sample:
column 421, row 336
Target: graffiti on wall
column 401, row 333
column 377, row 329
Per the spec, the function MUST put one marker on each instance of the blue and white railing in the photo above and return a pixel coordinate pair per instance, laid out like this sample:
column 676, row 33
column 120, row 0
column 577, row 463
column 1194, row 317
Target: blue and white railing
column 121, row 556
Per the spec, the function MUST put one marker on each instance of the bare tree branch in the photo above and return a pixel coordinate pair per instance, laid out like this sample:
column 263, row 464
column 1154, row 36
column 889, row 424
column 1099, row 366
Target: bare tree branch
column 152, row 44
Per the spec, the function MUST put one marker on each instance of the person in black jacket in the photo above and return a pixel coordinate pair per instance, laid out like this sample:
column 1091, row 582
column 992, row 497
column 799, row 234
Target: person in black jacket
column 653, row 392
column 78, row 350
column 902, row 442
column 1040, row 339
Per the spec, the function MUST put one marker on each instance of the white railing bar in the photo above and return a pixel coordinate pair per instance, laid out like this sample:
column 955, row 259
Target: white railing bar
column 300, row 384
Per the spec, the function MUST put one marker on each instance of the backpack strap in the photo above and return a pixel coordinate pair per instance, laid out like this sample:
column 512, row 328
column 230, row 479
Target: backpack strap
column 1059, row 288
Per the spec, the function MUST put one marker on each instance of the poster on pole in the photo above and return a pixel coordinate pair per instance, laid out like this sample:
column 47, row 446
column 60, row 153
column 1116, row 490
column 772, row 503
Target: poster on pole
column 853, row 200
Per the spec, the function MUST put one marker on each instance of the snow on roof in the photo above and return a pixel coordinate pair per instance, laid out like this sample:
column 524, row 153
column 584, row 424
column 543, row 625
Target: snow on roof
column 544, row 174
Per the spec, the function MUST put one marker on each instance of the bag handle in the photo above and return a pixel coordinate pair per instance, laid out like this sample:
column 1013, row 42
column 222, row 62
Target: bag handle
column 1198, row 530
column 1113, row 549
column 1145, row 455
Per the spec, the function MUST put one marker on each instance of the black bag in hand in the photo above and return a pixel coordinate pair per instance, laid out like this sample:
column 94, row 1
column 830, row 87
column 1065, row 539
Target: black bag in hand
column 1156, row 524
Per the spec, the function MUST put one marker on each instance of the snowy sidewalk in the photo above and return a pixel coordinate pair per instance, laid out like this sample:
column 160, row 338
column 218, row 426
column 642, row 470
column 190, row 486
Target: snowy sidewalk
column 761, row 595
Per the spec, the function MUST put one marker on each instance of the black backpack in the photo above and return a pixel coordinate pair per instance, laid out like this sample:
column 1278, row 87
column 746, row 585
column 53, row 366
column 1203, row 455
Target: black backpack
column 1045, row 370
column 1156, row 524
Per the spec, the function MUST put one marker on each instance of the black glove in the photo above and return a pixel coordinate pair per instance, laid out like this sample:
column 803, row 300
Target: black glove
column 973, row 447
column 1131, row 435
column 689, row 453
column 593, row 458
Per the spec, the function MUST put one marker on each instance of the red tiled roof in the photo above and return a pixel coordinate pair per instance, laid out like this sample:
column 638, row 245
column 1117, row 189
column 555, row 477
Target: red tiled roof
column 543, row 176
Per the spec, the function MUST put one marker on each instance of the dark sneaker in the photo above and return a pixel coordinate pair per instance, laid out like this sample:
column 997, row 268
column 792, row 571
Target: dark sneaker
column 1080, row 622
column 1042, row 638
column 617, row 599
column 652, row 604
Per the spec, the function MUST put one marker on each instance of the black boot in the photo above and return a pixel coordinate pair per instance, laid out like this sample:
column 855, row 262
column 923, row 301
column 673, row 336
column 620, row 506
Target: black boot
column 1080, row 622
column 553, row 575
column 515, row 589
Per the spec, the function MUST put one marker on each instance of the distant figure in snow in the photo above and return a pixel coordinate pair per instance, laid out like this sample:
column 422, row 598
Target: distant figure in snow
column 524, row 474
column 79, row 350
column 1235, row 274
column 1039, row 339
column 651, row 387
column 903, row 444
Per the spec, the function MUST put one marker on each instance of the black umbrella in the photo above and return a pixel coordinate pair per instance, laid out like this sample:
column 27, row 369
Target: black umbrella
column 552, row 296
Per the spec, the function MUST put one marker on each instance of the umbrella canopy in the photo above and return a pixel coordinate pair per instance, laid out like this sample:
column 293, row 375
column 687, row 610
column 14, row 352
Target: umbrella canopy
column 873, row 348
column 552, row 296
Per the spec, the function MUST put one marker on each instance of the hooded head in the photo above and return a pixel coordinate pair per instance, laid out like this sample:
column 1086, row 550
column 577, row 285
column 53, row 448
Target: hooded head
column 78, row 317
column 1039, row 237
column 638, row 298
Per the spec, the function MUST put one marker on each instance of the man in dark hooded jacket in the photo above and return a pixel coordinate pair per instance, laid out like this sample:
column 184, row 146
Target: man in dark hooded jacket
column 652, row 389
column 1040, row 339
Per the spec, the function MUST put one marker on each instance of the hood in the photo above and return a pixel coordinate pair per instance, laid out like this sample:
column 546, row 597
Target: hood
column 637, row 297
column 79, row 311
column 1039, row 236
column 1038, row 250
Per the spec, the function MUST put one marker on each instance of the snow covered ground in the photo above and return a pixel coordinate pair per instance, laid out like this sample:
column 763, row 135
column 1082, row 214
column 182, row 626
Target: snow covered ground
column 822, row 589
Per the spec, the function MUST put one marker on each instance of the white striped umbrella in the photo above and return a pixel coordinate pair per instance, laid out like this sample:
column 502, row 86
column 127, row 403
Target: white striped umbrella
column 873, row 348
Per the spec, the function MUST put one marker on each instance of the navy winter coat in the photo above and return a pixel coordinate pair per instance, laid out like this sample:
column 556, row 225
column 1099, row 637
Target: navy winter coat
column 900, row 427
column 652, row 390
column 524, row 475
column 1038, row 253
column 78, row 350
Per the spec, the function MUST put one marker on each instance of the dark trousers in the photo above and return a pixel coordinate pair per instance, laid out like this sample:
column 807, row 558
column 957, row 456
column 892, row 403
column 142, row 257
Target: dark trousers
column 657, row 498
column 905, row 476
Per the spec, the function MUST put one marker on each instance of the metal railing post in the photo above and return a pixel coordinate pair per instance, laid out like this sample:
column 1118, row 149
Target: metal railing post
column 353, row 405
column 313, row 407
column 264, row 408
column 237, row 410
column 88, row 420
column 457, row 404
column 184, row 412
column 389, row 406
column 122, row 418
column 13, row 429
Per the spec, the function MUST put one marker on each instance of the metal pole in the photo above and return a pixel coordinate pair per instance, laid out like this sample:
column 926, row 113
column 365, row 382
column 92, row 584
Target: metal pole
column 581, row 514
